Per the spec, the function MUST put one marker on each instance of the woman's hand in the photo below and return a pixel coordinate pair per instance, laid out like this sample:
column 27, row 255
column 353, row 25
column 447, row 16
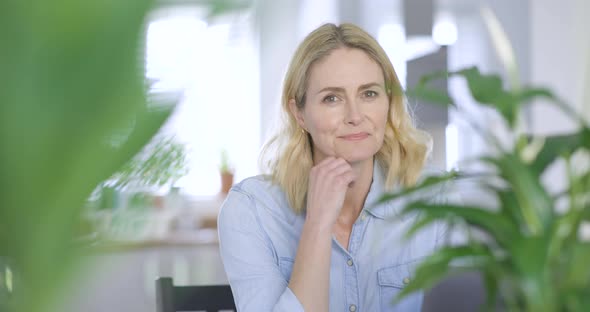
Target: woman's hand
column 328, row 182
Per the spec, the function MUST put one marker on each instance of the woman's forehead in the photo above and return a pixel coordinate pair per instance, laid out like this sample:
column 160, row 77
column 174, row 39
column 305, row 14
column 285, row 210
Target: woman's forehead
column 345, row 68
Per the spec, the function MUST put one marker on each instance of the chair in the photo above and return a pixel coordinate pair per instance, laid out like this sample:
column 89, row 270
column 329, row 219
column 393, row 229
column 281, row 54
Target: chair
column 461, row 292
column 170, row 298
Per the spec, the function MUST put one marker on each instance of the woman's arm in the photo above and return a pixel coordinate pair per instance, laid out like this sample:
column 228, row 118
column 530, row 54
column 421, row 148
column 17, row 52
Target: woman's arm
column 249, row 259
column 310, row 279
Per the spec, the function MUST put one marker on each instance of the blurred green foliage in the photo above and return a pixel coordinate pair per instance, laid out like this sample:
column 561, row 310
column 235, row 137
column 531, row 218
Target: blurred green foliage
column 73, row 110
column 531, row 254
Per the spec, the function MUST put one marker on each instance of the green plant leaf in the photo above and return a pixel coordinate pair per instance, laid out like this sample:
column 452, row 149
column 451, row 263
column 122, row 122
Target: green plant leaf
column 497, row 226
column 422, row 90
column 491, row 283
column 508, row 204
column 530, row 93
column 488, row 90
column 502, row 45
column 558, row 145
column 220, row 7
column 566, row 228
column 428, row 182
column 535, row 203
column 530, row 260
column 484, row 88
column 578, row 270
column 430, row 95
column 437, row 266
column 423, row 221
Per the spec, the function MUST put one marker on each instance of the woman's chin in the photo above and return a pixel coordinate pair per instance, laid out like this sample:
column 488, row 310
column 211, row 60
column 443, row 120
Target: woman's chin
column 358, row 157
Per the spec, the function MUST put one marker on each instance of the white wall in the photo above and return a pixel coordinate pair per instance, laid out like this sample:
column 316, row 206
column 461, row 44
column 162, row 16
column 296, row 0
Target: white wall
column 559, row 58
column 276, row 45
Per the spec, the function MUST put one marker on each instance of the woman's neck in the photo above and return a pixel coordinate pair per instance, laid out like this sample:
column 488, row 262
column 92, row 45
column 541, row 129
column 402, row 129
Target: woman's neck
column 357, row 192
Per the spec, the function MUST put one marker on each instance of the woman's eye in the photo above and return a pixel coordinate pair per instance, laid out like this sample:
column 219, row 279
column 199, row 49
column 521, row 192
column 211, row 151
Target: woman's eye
column 330, row 99
column 370, row 93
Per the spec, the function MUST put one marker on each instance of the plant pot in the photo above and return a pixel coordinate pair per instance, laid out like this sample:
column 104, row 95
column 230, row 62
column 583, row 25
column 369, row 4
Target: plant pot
column 227, row 180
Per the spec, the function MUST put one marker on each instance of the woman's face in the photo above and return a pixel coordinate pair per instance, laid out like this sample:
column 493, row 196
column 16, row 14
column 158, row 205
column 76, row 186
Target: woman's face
column 346, row 106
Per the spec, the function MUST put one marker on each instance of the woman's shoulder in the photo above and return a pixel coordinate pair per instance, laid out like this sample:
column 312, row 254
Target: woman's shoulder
column 254, row 184
column 259, row 196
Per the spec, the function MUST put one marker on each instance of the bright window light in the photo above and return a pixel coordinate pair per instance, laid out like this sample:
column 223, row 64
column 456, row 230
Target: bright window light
column 444, row 31
column 392, row 37
column 215, row 69
column 452, row 146
column 419, row 46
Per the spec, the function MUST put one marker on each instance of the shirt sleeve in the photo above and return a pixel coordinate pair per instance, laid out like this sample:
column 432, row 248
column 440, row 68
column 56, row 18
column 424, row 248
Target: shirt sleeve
column 249, row 259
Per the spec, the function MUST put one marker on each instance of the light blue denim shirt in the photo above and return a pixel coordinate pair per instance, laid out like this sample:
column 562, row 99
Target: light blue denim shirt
column 259, row 234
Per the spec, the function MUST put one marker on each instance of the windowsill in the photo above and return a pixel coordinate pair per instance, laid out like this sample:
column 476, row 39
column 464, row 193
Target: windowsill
column 194, row 223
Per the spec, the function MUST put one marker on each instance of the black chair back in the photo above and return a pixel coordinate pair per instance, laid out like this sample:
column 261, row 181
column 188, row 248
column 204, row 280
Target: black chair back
column 170, row 298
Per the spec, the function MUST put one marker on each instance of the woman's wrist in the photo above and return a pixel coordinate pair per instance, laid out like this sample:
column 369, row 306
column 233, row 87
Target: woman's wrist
column 318, row 227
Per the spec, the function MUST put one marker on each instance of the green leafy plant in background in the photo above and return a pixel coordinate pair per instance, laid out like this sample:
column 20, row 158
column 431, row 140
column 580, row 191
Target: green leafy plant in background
column 531, row 254
column 159, row 164
column 224, row 164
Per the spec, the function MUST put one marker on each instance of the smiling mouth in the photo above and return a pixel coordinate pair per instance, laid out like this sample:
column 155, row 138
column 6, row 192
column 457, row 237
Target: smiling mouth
column 355, row 136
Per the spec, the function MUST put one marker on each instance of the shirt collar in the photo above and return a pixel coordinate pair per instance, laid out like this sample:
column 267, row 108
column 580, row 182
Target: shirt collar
column 376, row 191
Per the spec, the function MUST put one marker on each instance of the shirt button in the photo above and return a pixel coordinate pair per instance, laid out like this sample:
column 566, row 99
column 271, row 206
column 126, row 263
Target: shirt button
column 352, row 308
column 349, row 262
column 363, row 216
column 406, row 280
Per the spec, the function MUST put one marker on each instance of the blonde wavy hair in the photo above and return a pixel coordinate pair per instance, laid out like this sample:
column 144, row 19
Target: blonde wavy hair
column 405, row 148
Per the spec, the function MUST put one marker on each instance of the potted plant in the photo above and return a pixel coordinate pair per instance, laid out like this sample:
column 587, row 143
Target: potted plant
column 530, row 253
column 226, row 172
column 160, row 164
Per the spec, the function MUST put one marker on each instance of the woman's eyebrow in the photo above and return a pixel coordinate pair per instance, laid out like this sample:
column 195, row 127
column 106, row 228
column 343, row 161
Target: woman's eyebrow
column 333, row 89
column 342, row 90
column 370, row 85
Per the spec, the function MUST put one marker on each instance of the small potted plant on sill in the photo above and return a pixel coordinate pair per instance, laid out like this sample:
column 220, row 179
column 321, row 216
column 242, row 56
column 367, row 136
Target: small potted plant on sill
column 226, row 172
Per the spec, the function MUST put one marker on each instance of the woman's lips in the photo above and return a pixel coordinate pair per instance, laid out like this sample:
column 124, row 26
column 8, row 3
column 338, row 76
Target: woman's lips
column 355, row 136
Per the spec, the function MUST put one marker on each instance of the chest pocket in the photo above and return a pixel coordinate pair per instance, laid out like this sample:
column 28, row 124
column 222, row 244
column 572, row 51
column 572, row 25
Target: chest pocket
column 391, row 281
column 286, row 267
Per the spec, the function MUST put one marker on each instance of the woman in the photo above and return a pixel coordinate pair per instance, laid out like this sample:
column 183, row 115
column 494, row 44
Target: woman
column 308, row 237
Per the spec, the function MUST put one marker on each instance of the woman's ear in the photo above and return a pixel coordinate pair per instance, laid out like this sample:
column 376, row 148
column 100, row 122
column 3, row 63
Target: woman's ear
column 297, row 113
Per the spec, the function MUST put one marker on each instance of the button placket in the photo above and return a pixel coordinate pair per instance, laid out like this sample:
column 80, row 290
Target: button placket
column 363, row 216
column 351, row 274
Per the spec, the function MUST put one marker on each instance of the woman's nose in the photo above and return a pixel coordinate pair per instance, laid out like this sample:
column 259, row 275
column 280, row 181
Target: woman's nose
column 353, row 114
